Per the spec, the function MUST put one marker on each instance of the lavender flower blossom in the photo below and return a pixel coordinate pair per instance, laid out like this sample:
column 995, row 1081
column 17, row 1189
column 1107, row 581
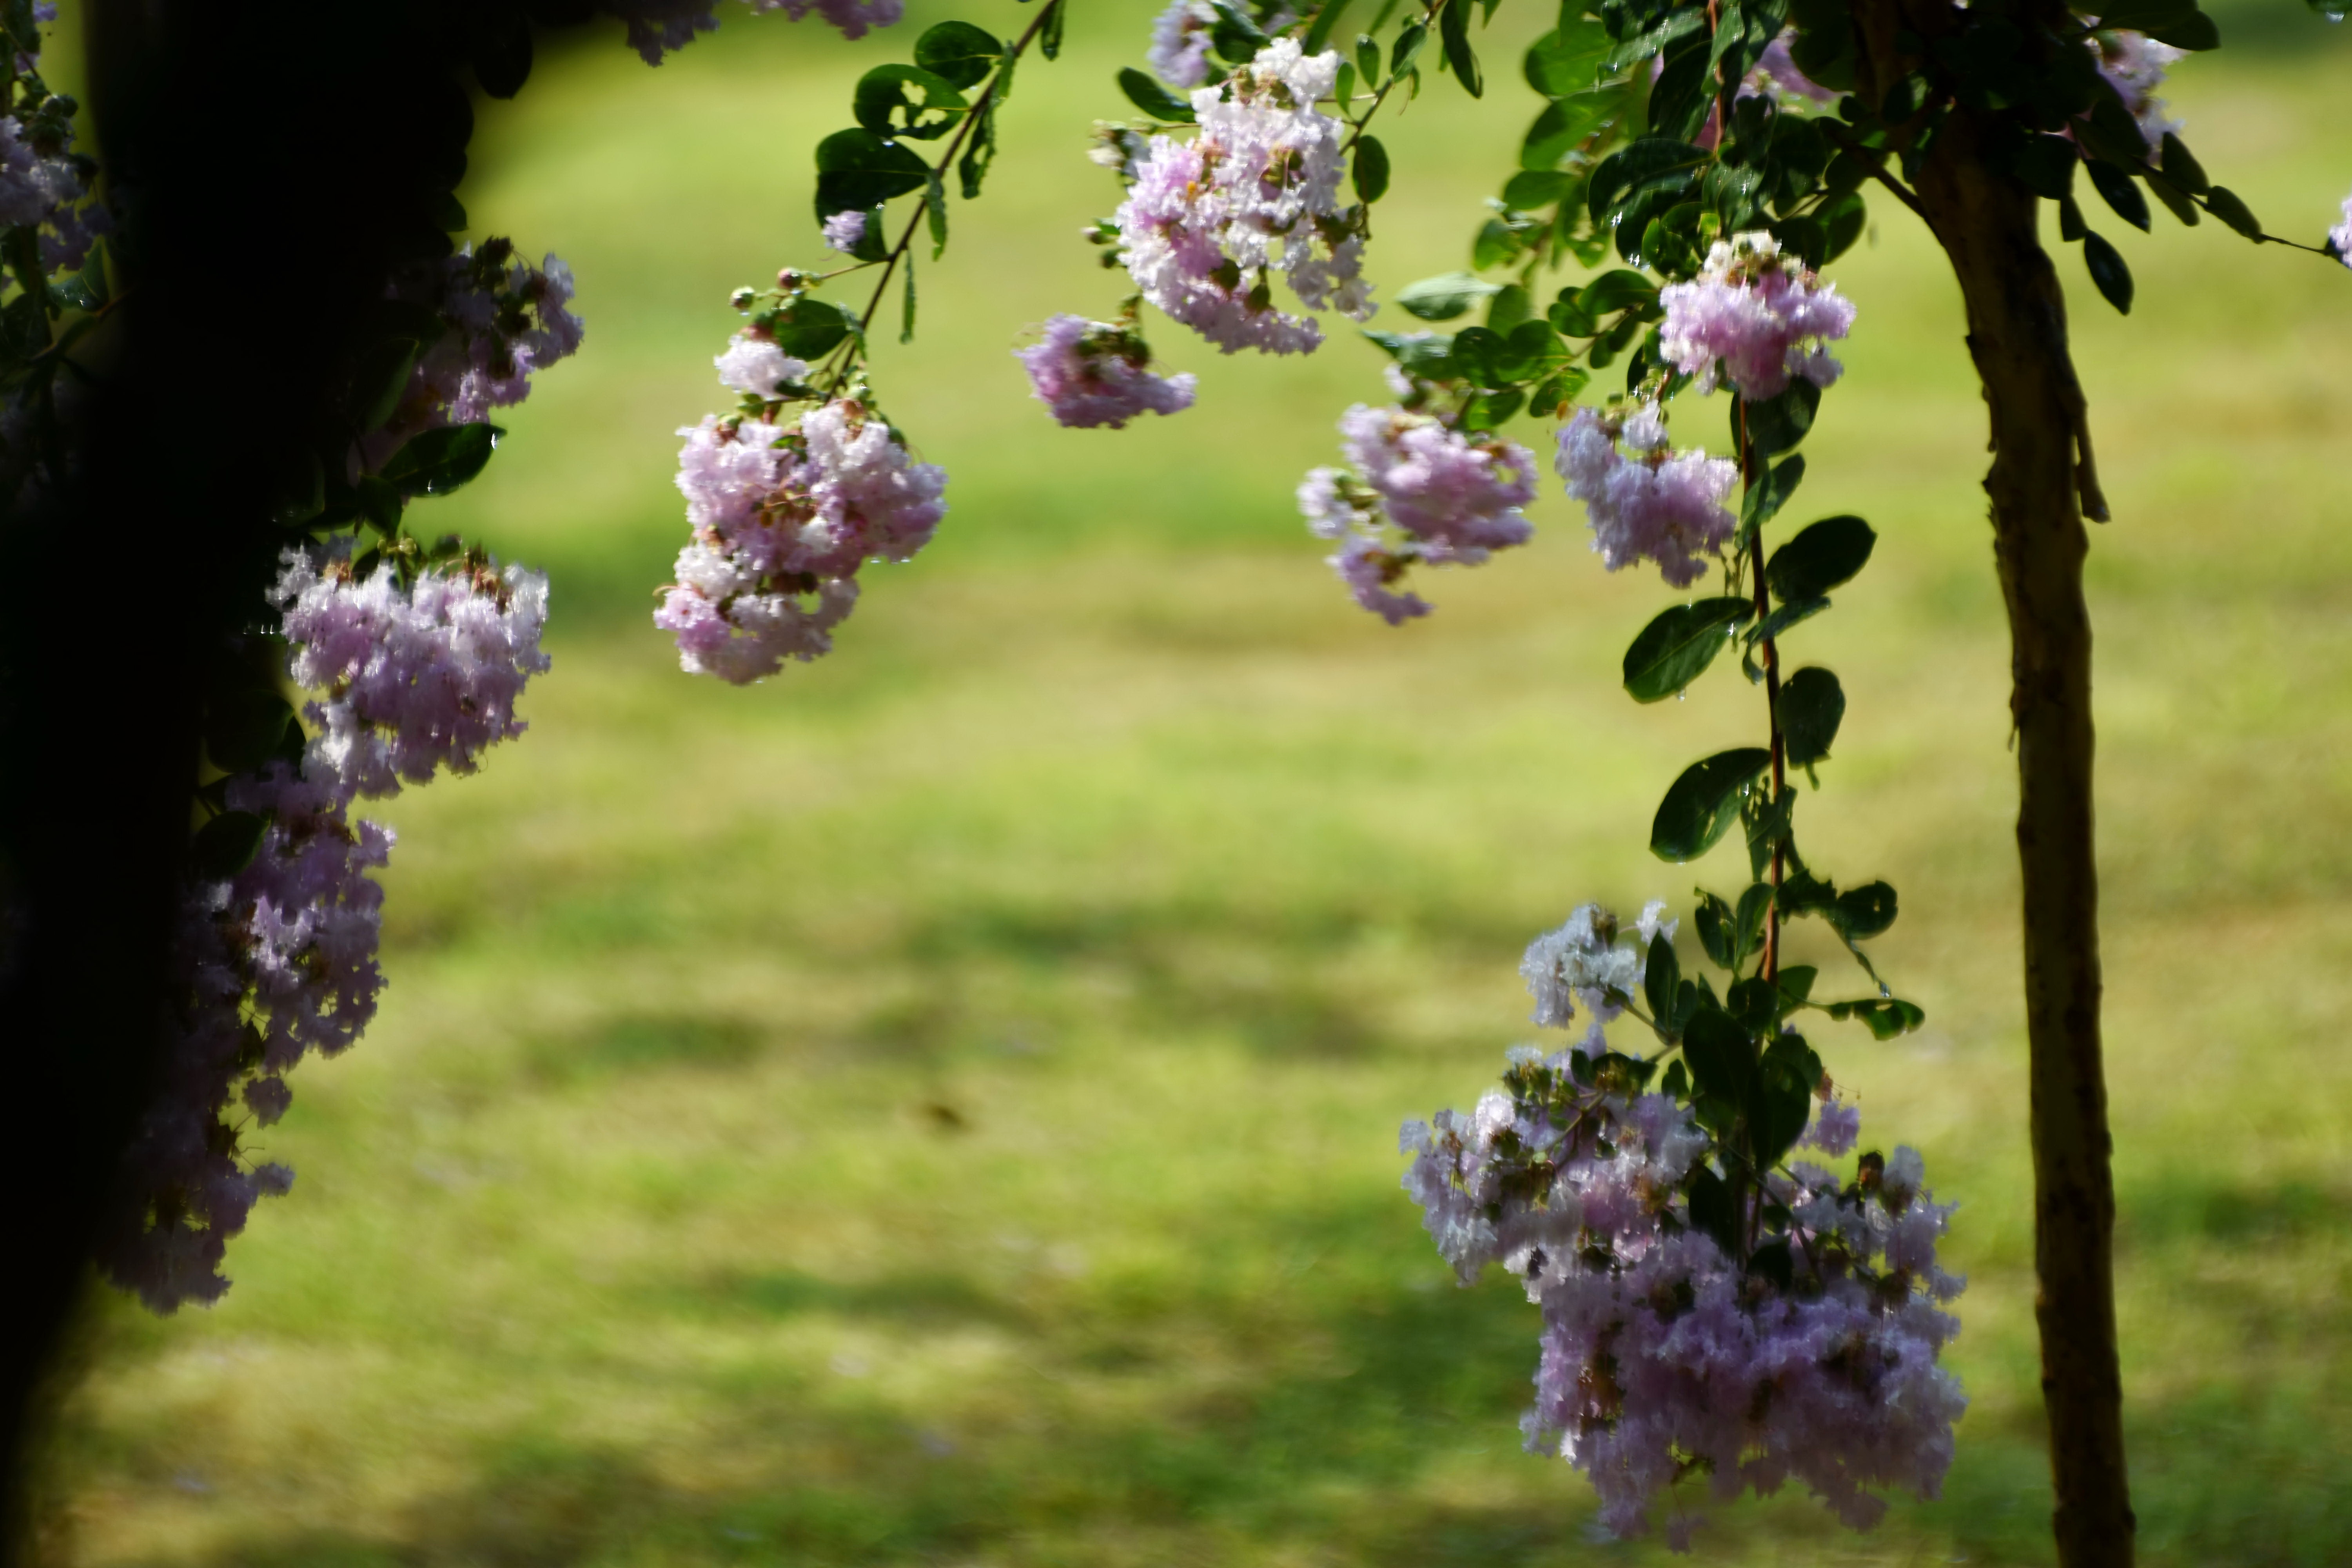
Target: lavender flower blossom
column 846, row 231
column 1776, row 73
column 1655, row 505
column 1179, row 55
column 1749, row 317
column 1414, row 491
column 2339, row 239
column 1096, row 373
column 2134, row 64
column 43, row 184
column 414, row 676
column 784, row 516
column 756, row 367
column 502, row 320
column 1660, row 1356
column 1207, row 224
column 854, row 18
column 270, row 964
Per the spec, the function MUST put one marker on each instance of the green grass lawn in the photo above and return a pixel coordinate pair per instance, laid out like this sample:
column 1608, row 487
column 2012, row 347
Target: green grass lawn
column 938, row 1107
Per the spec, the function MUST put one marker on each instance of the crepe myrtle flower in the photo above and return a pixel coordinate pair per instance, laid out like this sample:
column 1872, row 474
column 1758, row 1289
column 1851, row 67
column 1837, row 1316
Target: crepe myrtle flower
column 1753, row 318
column 1643, row 501
column 1414, row 491
column 1090, row 374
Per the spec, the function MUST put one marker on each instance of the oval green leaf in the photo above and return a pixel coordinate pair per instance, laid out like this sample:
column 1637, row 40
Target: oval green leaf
column 1701, row 806
column 1676, row 648
column 2107, row 270
column 1812, row 706
column 958, row 51
column 1153, row 98
column 1821, row 556
column 1371, row 172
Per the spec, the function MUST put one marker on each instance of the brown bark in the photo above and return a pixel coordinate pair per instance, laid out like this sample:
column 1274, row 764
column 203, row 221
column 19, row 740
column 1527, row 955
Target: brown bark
column 2041, row 485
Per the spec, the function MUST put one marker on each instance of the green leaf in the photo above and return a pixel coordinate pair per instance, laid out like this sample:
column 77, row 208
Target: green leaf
column 1676, row 648
column 1651, row 163
column 1371, row 170
column 243, row 728
column 1861, row 914
column 1720, row 1054
column 881, row 95
column 2070, row 220
column 1406, row 50
column 381, row 380
column 1318, row 33
column 1885, row 1017
column 2223, row 203
column 1049, row 38
column 906, row 309
column 1153, row 98
column 1811, row 706
column 2045, row 164
column 1781, row 620
column 1796, row 985
column 1677, row 24
column 1713, row 1211
column 1443, row 298
column 435, row 462
column 935, row 208
column 1748, row 921
column 1506, row 312
column 1713, row 918
column 1702, row 804
column 979, row 150
column 2182, row 167
column 1618, row 290
column 1676, row 1083
column 858, row 170
column 808, row 327
column 1819, row 558
column 1661, row 977
column 1771, row 493
column 1426, row 354
column 2107, row 270
column 1567, row 60
column 2176, row 200
column 226, row 845
column 2129, row 202
column 958, row 51
column 379, row 502
column 1454, row 33
column 1532, row 190
column 1478, row 354
column 1566, row 124
column 1367, row 58
column 1778, row 424
column 1844, row 219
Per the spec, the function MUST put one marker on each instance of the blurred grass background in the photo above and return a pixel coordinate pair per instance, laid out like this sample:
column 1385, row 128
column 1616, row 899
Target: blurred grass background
column 938, row 1107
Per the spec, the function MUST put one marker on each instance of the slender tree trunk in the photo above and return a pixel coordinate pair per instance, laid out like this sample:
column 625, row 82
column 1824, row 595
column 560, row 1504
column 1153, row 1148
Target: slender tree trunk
column 2042, row 485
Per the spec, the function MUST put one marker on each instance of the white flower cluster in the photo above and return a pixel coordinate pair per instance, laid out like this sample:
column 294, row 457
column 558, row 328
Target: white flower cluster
column 279, row 959
column 1208, row 223
column 1582, row 962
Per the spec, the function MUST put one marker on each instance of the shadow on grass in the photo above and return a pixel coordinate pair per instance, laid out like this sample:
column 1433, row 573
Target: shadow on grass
column 1350, row 1416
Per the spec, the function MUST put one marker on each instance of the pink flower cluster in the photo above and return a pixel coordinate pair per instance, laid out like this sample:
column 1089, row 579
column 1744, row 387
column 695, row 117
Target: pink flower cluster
column 2339, row 239
column 502, row 319
column 413, row 677
column 1414, row 491
column 1208, row 223
column 784, row 514
column 1179, row 55
column 1662, row 1358
column 1753, row 318
column 280, row 960
column 1098, row 373
column 2134, row 64
column 1667, row 507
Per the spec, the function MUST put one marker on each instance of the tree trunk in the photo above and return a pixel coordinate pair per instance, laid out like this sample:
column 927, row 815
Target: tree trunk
column 2042, row 484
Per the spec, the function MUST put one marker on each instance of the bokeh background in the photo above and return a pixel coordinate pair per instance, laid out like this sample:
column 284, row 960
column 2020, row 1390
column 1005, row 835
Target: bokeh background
column 939, row 1106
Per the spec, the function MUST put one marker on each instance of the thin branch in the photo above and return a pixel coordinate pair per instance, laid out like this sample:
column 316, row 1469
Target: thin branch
column 1874, row 162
